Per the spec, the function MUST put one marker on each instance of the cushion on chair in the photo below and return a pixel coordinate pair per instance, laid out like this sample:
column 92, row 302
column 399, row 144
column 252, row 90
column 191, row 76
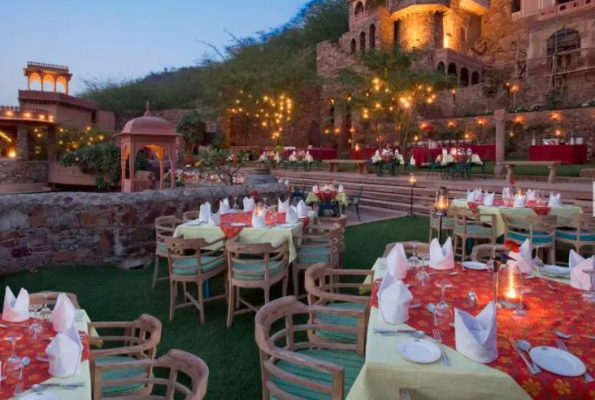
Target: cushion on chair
column 343, row 320
column 349, row 360
column 475, row 230
column 112, row 391
column 448, row 223
column 161, row 248
column 207, row 265
column 313, row 255
column 521, row 237
column 573, row 235
column 274, row 270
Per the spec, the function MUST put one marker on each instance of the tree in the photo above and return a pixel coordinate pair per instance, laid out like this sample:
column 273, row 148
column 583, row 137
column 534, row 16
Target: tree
column 222, row 163
column 193, row 129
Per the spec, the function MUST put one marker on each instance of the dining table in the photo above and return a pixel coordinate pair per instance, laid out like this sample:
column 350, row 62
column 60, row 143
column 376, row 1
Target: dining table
column 551, row 304
column 566, row 154
column 37, row 372
column 239, row 223
column 339, row 197
column 564, row 213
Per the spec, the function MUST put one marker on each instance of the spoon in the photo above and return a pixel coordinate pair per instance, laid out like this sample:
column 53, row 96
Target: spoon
column 24, row 362
column 567, row 336
column 415, row 334
column 417, row 305
column 526, row 347
column 38, row 387
column 430, row 307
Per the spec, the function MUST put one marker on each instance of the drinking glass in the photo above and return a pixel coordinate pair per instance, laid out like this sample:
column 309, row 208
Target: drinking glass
column 36, row 328
column 423, row 277
column 235, row 203
column 414, row 260
column 590, row 295
column 442, row 311
column 522, row 311
column 46, row 312
column 13, row 363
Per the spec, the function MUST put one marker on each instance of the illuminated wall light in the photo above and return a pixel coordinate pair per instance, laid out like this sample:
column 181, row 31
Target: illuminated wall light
column 12, row 153
column 42, row 117
column 9, row 113
column 5, row 137
column 27, row 115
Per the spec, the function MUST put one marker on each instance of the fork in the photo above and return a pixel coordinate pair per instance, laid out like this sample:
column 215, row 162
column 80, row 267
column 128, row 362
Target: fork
column 438, row 338
column 18, row 390
column 562, row 346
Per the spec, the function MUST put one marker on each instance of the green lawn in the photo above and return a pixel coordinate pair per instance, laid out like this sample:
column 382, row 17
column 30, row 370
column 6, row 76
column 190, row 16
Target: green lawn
column 110, row 294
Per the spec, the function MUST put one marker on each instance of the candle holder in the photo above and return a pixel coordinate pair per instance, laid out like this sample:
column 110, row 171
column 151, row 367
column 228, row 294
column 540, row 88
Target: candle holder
column 441, row 205
column 494, row 265
column 412, row 182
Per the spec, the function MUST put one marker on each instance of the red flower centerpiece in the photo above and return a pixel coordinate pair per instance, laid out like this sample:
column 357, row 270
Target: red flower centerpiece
column 510, row 245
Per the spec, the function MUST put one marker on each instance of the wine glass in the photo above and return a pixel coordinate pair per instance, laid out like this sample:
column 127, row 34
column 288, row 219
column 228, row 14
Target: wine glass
column 442, row 311
column 46, row 312
column 522, row 311
column 36, row 328
column 13, row 363
column 414, row 260
column 235, row 203
column 590, row 295
column 423, row 277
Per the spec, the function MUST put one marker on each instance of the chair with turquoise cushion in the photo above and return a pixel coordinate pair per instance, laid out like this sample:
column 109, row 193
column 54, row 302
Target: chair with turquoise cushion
column 254, row 266
column 177, row 364
column 295, row 365
column 164, row 228
column 580, row 234
column 448, row 222
column 124, row 342
column 317, row 244
column 326, row 288
column 473, row 226
column 194, row 261
column 539, row 230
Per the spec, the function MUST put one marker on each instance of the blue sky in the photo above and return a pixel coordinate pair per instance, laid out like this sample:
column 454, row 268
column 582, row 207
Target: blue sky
column 122, row 38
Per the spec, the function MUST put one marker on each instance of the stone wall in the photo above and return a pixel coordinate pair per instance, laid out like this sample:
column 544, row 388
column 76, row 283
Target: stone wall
column 13, row 172
column 39, row 230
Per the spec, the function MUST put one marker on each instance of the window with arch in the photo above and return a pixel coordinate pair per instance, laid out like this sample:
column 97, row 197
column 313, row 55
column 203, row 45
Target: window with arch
column 353, row 46
column 359, row 8
column 464, row 77
column 564, row 41
column 362, row 41
column 475, row 78
column 452, row 69
column 441, row 67
column 372, row 36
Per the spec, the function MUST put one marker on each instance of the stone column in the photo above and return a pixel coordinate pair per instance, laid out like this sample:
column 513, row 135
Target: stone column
column 22, row 142
column 51, row 144
column 500, row 118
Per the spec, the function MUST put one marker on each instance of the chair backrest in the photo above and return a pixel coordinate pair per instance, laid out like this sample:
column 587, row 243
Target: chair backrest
column 420, row 248
column 536, row 227
column 466, row 220
column 173, row 363
column 190, row 215
column 282, row 344
column 341, row 221
column 485, row 252
column 165, row 227
column 50, row 298
column 585, row 224
column 242, row 256
column 201, row 253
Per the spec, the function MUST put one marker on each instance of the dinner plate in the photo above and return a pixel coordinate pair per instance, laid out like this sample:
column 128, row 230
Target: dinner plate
column 555, row 270
column 238, row 224
column 196, row 222
column 39, row 396
column 557, row 361
column 419, row 351
column 475, row 265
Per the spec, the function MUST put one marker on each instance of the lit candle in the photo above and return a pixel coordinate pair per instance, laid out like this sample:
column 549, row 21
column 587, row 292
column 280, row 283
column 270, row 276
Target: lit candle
column 511, row 294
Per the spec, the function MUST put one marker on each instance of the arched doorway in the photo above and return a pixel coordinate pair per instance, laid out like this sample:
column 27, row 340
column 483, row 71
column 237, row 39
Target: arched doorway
column 362, row 41
column 441, row 67
column 359, row 8
column 314, row 134
column 353, row 46
column 464, row 77
column 452, row 69
column 475, row 78
column 372, row 36
column 564, row 40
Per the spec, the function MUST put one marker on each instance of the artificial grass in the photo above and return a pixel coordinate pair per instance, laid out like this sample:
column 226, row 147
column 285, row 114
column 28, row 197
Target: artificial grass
column 110, row 294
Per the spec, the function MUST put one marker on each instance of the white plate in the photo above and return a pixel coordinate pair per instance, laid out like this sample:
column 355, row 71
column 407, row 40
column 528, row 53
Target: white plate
column 238, row 224
column 557, row 361
column 474, row 265
column 196, row 222
column 419, row 350
column 39, row 396
column 555, row 270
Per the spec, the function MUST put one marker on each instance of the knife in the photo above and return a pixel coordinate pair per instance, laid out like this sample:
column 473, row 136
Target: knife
column 520, row 353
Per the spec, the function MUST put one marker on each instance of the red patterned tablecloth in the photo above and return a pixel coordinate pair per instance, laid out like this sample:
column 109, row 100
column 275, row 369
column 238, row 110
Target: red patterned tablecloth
column 37, row 371
column 562, row 309
column 231, row 231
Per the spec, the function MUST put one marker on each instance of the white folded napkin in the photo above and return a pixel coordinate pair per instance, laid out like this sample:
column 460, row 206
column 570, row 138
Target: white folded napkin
column 412, row 162
column 215, row 219
column 442, row 257
column 577, row 264
column 397, row 262
column 444, row 152
column 470, row 196
column 15, row 309
column 224, row 207
column 302, row 209
column 277, row 157
column 506, row 192
column 259, row 221
column 315, row 189
column 394, row 300
column 524, row 258
column 283, row 206
column 476, row 337
column 531, row 195
column 63, row 314
column 555, row 200
column 341, row 189
column 519, row 201
column 205, row 212
column 292, row 215
column 64, row 353
column 488, row 199
column 287, row 182
column 248, row 204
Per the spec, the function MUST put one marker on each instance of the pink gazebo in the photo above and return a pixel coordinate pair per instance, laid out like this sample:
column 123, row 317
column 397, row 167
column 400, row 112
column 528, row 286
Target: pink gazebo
column 147, row 132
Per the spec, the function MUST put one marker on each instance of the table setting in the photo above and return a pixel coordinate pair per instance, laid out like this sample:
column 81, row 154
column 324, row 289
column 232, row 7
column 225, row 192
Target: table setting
column 47, row 351
column 517, row 330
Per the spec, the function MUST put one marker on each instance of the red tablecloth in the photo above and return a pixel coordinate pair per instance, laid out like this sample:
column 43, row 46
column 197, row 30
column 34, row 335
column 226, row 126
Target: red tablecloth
column 424, row 155
column 548, row 310
column 566, row 154
column 487, row 152
column 246, row 218
column 364, row 153
column 37, row 371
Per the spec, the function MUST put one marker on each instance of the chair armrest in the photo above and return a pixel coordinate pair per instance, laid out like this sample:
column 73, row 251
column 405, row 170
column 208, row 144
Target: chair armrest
column 119, row 351
column 105, row 325
column 110, row 366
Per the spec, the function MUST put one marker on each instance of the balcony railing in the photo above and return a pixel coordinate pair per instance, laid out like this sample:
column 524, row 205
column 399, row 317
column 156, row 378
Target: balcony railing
column 565, row 8
column 34, row 65
column 56, row 97
column 27, row 114
column 362, row 16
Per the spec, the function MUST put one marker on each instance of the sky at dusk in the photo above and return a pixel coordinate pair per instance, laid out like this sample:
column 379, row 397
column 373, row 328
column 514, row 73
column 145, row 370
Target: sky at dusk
column 123, row 38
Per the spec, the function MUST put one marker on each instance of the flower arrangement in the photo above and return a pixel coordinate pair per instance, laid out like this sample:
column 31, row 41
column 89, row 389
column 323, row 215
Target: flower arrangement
column 254, row 193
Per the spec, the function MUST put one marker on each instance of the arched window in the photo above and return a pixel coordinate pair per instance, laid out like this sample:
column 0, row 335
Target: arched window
column 359, row 8
column 362, row 41
column 48, row 83
column 353, row 46
column 372, row 36
column 563, row 40
column 396, row 36
column 464, row 77
column 441, row 67
column 452, row 69
column 475, row 78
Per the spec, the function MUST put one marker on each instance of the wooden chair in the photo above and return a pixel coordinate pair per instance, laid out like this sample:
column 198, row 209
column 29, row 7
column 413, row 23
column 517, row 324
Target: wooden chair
column 50, row 298
column 254, row 266
column 164, row 229
column 580, row 234
column 342, row 222
column 485, row 252
column 355, row 201
column 175, row 361
column 420, row 248
column 293, row 366
column 473, row 225
column 190, row 216
column 448, row 222
column 318, row 244
column 132, row 341
column 194, row 261
column 325, row 289
column 539, row 230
